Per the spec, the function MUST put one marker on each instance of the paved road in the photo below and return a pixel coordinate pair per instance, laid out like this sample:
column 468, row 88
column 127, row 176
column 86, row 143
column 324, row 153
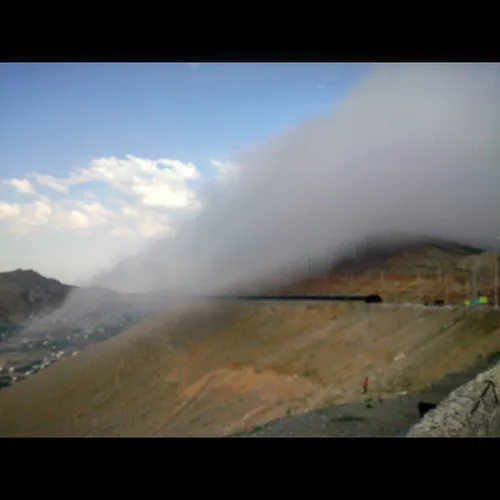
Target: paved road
column 347, row 298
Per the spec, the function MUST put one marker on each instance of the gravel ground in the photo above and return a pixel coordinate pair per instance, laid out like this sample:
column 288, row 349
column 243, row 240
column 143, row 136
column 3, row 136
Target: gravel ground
column 370, row 418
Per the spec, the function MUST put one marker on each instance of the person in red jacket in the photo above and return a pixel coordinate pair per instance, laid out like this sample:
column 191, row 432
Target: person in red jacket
column 365, row 385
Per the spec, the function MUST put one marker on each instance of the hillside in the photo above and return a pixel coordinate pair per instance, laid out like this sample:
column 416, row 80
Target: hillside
column 25, row 292
column 216, row 369
column 35, row 332
column 410, row 273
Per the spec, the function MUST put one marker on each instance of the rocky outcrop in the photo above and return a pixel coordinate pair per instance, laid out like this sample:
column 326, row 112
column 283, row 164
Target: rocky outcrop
column 472, row 410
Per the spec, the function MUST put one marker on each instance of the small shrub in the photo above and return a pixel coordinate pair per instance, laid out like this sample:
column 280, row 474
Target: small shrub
column 493, row 357
column 348, row 418
column 256, row 428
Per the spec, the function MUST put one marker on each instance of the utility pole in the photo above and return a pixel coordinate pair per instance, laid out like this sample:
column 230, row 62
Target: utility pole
column 440, row 279
column 398, row 316
column 474, row 278
column 368, row 310
column 418, row 285
column 496, row 279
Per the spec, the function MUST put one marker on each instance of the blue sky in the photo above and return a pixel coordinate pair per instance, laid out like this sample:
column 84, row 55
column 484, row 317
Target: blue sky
column 66, row 129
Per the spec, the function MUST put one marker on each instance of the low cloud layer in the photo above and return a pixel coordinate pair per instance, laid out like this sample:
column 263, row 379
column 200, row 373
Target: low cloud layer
column 412, row 148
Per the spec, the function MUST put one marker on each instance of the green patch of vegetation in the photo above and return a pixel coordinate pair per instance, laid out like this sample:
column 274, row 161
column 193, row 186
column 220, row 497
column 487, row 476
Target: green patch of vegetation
column 347, row 418
column 237, row 434
column 493, row 357
column 247, row 432
column 406, row 383
column 255, row 428
column 9, row 328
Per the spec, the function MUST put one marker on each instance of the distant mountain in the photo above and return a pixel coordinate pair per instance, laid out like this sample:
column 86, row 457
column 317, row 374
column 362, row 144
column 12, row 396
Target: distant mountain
column 421, row 255
column 406, row 270
column 25, row 292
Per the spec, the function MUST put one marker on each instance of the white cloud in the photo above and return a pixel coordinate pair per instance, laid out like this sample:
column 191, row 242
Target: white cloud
column 123, row 231
column 95, row 212
column 158, row 183
column 22, row 186
column 51, row 182
column 74, row 219
column 148, row 223
column 225, row 170
column 138, row 221
column 155, row 196
column 37, row 213
column 414, row 148
column 44, row 213
column 322, row 86
column 8, row 210
column 141, row 201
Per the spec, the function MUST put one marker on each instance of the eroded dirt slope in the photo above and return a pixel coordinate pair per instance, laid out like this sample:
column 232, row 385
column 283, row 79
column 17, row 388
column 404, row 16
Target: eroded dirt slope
column 217, row 369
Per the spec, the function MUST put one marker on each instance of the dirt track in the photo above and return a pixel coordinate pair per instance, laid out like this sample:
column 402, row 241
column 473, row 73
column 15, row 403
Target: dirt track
column 215, row 370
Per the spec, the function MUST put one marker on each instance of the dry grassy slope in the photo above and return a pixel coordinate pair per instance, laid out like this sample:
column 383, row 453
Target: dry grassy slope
column 213, row 370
